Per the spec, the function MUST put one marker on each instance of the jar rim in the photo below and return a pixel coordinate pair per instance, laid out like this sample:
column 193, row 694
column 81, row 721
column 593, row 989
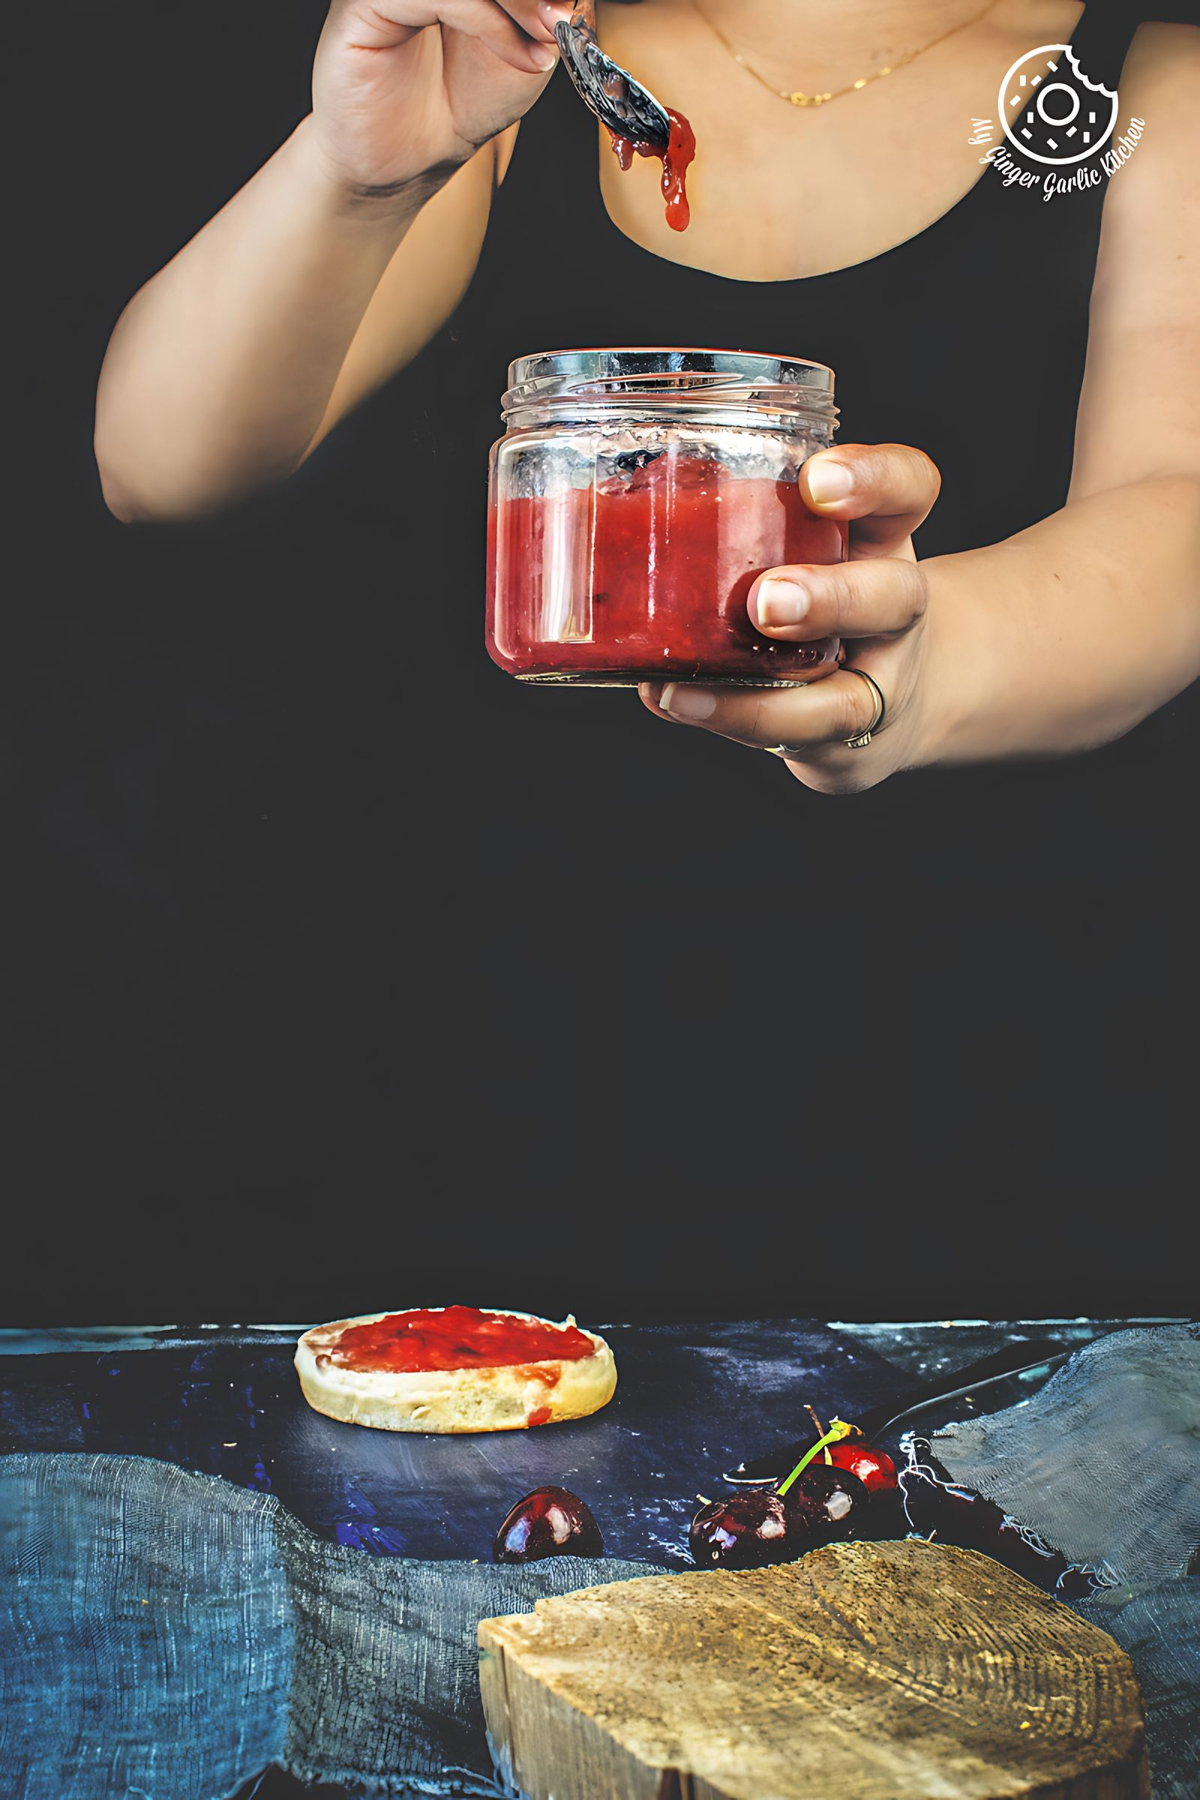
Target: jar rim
column 619, row 366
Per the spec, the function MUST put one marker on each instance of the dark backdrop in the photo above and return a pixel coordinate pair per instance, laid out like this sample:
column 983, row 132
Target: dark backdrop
column 338, row 975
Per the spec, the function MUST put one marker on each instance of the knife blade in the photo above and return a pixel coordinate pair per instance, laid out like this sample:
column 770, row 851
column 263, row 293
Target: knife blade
column 1020, row 1358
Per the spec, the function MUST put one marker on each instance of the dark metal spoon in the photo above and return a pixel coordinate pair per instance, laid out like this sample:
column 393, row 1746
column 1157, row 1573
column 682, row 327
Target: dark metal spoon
column 1014, row 1359
column 622, row 104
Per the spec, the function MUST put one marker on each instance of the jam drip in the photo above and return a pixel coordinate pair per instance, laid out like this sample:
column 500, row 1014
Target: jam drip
column 455, row 1337
column 676, row 160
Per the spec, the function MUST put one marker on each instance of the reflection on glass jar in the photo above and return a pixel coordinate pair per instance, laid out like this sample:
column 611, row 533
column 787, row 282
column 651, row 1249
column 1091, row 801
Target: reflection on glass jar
column 635, row 497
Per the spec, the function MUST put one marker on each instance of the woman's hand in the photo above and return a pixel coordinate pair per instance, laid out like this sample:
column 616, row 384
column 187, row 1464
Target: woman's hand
column 875, row 603
column 407, row 88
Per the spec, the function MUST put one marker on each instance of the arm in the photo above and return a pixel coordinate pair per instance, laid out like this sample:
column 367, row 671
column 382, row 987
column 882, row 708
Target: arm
column 331, row 268
column 1071, row 632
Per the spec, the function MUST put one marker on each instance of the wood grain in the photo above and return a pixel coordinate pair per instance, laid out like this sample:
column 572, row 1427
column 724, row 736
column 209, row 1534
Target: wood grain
column 881, row 1671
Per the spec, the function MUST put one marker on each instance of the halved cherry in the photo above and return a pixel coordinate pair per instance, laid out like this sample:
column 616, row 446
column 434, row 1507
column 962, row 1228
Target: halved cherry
column 551, row 1521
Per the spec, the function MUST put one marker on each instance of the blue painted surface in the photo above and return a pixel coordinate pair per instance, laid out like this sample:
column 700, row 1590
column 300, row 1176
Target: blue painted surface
column 691, row 1400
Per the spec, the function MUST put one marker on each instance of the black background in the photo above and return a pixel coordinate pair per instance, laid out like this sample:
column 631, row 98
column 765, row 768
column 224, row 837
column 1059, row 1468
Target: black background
column 339, row 976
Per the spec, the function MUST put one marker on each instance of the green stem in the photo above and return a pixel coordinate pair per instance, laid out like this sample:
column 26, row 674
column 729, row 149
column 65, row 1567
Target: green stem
column 837, row 1431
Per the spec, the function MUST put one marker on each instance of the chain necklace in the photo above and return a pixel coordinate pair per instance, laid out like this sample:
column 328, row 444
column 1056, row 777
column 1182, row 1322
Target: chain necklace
column 863, row 81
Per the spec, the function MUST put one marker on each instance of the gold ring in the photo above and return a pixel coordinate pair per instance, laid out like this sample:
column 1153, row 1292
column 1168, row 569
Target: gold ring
column 863, row 738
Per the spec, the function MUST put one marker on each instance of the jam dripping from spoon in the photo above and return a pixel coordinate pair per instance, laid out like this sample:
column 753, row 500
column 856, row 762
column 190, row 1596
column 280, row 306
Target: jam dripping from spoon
column 676, row 160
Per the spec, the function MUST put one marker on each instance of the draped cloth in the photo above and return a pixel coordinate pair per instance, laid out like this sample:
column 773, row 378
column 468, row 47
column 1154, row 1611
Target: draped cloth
column 169, row 1635
column 165, row 1634
column 1104, row 1462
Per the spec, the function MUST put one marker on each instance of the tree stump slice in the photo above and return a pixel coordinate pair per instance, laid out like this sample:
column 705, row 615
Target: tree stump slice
column 880, row 1671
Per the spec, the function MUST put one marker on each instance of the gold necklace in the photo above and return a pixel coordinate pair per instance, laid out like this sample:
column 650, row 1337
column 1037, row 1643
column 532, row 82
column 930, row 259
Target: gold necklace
column 863, row 81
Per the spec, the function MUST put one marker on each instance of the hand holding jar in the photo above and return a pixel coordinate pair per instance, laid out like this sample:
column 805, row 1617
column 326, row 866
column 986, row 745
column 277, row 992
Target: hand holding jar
column 678, row 520
column 875, row 603
column 636, row 497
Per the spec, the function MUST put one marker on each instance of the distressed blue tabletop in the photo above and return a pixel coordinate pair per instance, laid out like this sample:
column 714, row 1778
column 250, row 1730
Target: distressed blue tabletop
column 692, row 1399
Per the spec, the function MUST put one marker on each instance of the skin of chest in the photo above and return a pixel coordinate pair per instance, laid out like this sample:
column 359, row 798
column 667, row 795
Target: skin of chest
column 781, row 192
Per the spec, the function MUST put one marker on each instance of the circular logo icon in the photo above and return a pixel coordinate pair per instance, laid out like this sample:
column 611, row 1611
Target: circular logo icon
column 1049, row 109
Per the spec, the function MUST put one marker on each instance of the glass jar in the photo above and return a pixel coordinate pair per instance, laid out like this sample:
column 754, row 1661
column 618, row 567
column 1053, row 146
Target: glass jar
column 634, row 498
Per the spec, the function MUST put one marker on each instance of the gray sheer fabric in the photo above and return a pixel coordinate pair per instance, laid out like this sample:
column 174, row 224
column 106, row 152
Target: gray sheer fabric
column 169, row 1635
column 1104, row 1462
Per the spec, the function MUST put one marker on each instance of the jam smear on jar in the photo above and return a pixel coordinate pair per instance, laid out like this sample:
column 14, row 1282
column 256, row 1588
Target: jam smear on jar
column 455, row 1337
column 676, row 160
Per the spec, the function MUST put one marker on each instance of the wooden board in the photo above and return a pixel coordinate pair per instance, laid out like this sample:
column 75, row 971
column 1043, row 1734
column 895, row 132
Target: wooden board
column 881, row 1671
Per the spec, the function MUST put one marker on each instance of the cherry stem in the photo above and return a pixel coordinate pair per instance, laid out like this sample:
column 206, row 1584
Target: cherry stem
column 820, row 1428
column 837, row 1431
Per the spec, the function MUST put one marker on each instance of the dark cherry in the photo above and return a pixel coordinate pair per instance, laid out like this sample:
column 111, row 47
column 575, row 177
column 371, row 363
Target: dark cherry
column 552, row 1521
column 824, row 1503
column 749, row 1530
column 939, row 1507
column 874, row 1468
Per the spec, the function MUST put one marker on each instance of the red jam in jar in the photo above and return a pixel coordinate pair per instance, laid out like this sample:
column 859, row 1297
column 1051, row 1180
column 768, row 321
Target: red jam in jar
column 635, row 497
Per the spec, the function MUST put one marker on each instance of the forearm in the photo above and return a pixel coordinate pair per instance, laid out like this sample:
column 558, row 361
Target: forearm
column 220, row 369
column 1068, row 634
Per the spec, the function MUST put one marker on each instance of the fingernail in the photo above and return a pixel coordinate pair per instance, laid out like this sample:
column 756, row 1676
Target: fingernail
column 544, row 55
column 551, row 14
column 780, row 602
column 829, row 481
column 689, row 703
